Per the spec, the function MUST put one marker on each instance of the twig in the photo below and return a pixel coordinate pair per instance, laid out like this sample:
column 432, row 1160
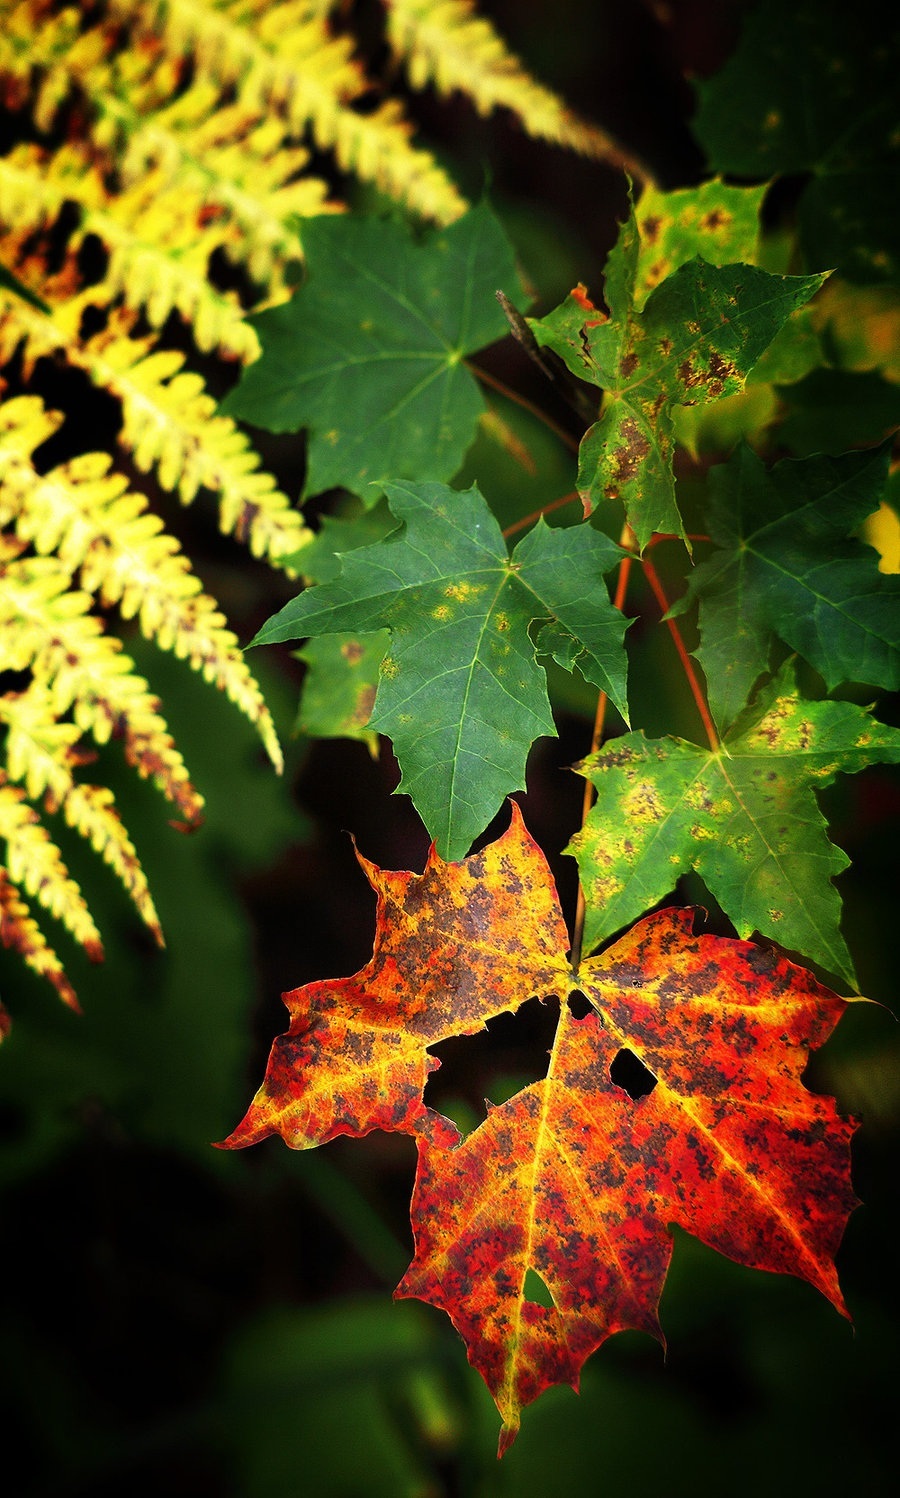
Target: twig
column 693, row 681
column 555, row 504
column 553, row 367
column 523, row 401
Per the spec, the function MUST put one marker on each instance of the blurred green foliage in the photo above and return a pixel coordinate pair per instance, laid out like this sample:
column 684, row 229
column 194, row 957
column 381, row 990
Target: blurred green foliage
column 181, row 1321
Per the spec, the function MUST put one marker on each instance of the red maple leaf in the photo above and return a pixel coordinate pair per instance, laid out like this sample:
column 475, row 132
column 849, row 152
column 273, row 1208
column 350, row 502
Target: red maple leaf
column 571, row 1178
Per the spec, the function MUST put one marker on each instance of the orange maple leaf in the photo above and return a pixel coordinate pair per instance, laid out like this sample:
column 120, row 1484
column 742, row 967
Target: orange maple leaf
column 572, row 1178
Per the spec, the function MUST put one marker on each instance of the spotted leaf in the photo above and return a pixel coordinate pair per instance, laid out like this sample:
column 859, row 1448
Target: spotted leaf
column 696, row 339
column 744, row 816
column 461, row 693
column 572, row 1185
column 575, row 1181
column 453, row 947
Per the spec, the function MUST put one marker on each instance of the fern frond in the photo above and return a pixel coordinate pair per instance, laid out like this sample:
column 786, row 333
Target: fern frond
column 379, row 148
column 246, row 178
column 42, row 753
column 446, row 43
column 168, row 420
column 158, row 250
column 96, row 525
column 36, row 49
column 29, row 201
column 45, row 627
column 34, row 862
column 281, row 58
column 19, row 932
column 237, row 162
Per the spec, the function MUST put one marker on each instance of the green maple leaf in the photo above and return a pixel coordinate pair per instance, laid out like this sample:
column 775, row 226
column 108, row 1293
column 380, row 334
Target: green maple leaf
column 789, row 566
column 342, row 674
column 832, row 410
column 368, row 353
column 717, row 222
column 810, row 89
column 461, row 694
column 745, row 817
column 342, row 670
column 696, row 339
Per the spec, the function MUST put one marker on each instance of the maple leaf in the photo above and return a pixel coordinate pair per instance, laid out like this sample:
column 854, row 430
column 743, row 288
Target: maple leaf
column 571, row 1179
column 832, row 410
column 451, row 944
column 718, row 222
column 461, row 694
column 697, row 337
column 805, row 92
column 368, row 353
column 788, row 565
column 342, row 670
column 744, row 816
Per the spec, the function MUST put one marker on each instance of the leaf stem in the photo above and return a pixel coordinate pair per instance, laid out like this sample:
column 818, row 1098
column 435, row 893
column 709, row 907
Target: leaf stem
column 555, row 504
column 522, row 400
column 670, row 536
column 599, row 721
column 697, row 692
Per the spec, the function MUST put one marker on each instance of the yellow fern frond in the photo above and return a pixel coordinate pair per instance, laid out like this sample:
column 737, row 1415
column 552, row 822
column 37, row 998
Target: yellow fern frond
column 29, row 200
column 157, row 246
column 35, row 863
column 234, row 161
column 247, row 180
column 19, row 932
column 35, row 48
column 446, row 43
column 45, row 627
column 42, row 754
column 169, row 422
column 378, row 147
column 282, row 59
column 94, row 523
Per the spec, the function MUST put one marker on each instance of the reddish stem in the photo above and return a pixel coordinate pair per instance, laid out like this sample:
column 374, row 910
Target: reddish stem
column 666, row 536
column 693, row 681
column 523, row 401
column 555, row 504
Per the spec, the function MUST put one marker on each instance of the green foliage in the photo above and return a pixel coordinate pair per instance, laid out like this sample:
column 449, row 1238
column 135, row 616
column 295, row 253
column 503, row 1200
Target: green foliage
column 789, row 565
column 368, row 354
column 813, row 89
column 174, row 169
column 462, row 695
column 696, row 339
column 743, row 815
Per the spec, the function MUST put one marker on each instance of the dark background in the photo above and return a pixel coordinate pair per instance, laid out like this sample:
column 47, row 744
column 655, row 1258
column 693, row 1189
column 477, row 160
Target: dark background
column 185, row 1321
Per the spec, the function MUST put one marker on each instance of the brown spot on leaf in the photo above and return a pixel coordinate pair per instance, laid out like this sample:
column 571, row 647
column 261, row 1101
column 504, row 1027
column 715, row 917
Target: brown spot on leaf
column 363, row 709
column 627, row 458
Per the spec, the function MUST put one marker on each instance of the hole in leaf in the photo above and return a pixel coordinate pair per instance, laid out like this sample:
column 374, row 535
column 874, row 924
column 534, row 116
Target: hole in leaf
column 627, row 1072
column 536, row 1291
column 498, row 1061
column 579, row 1005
